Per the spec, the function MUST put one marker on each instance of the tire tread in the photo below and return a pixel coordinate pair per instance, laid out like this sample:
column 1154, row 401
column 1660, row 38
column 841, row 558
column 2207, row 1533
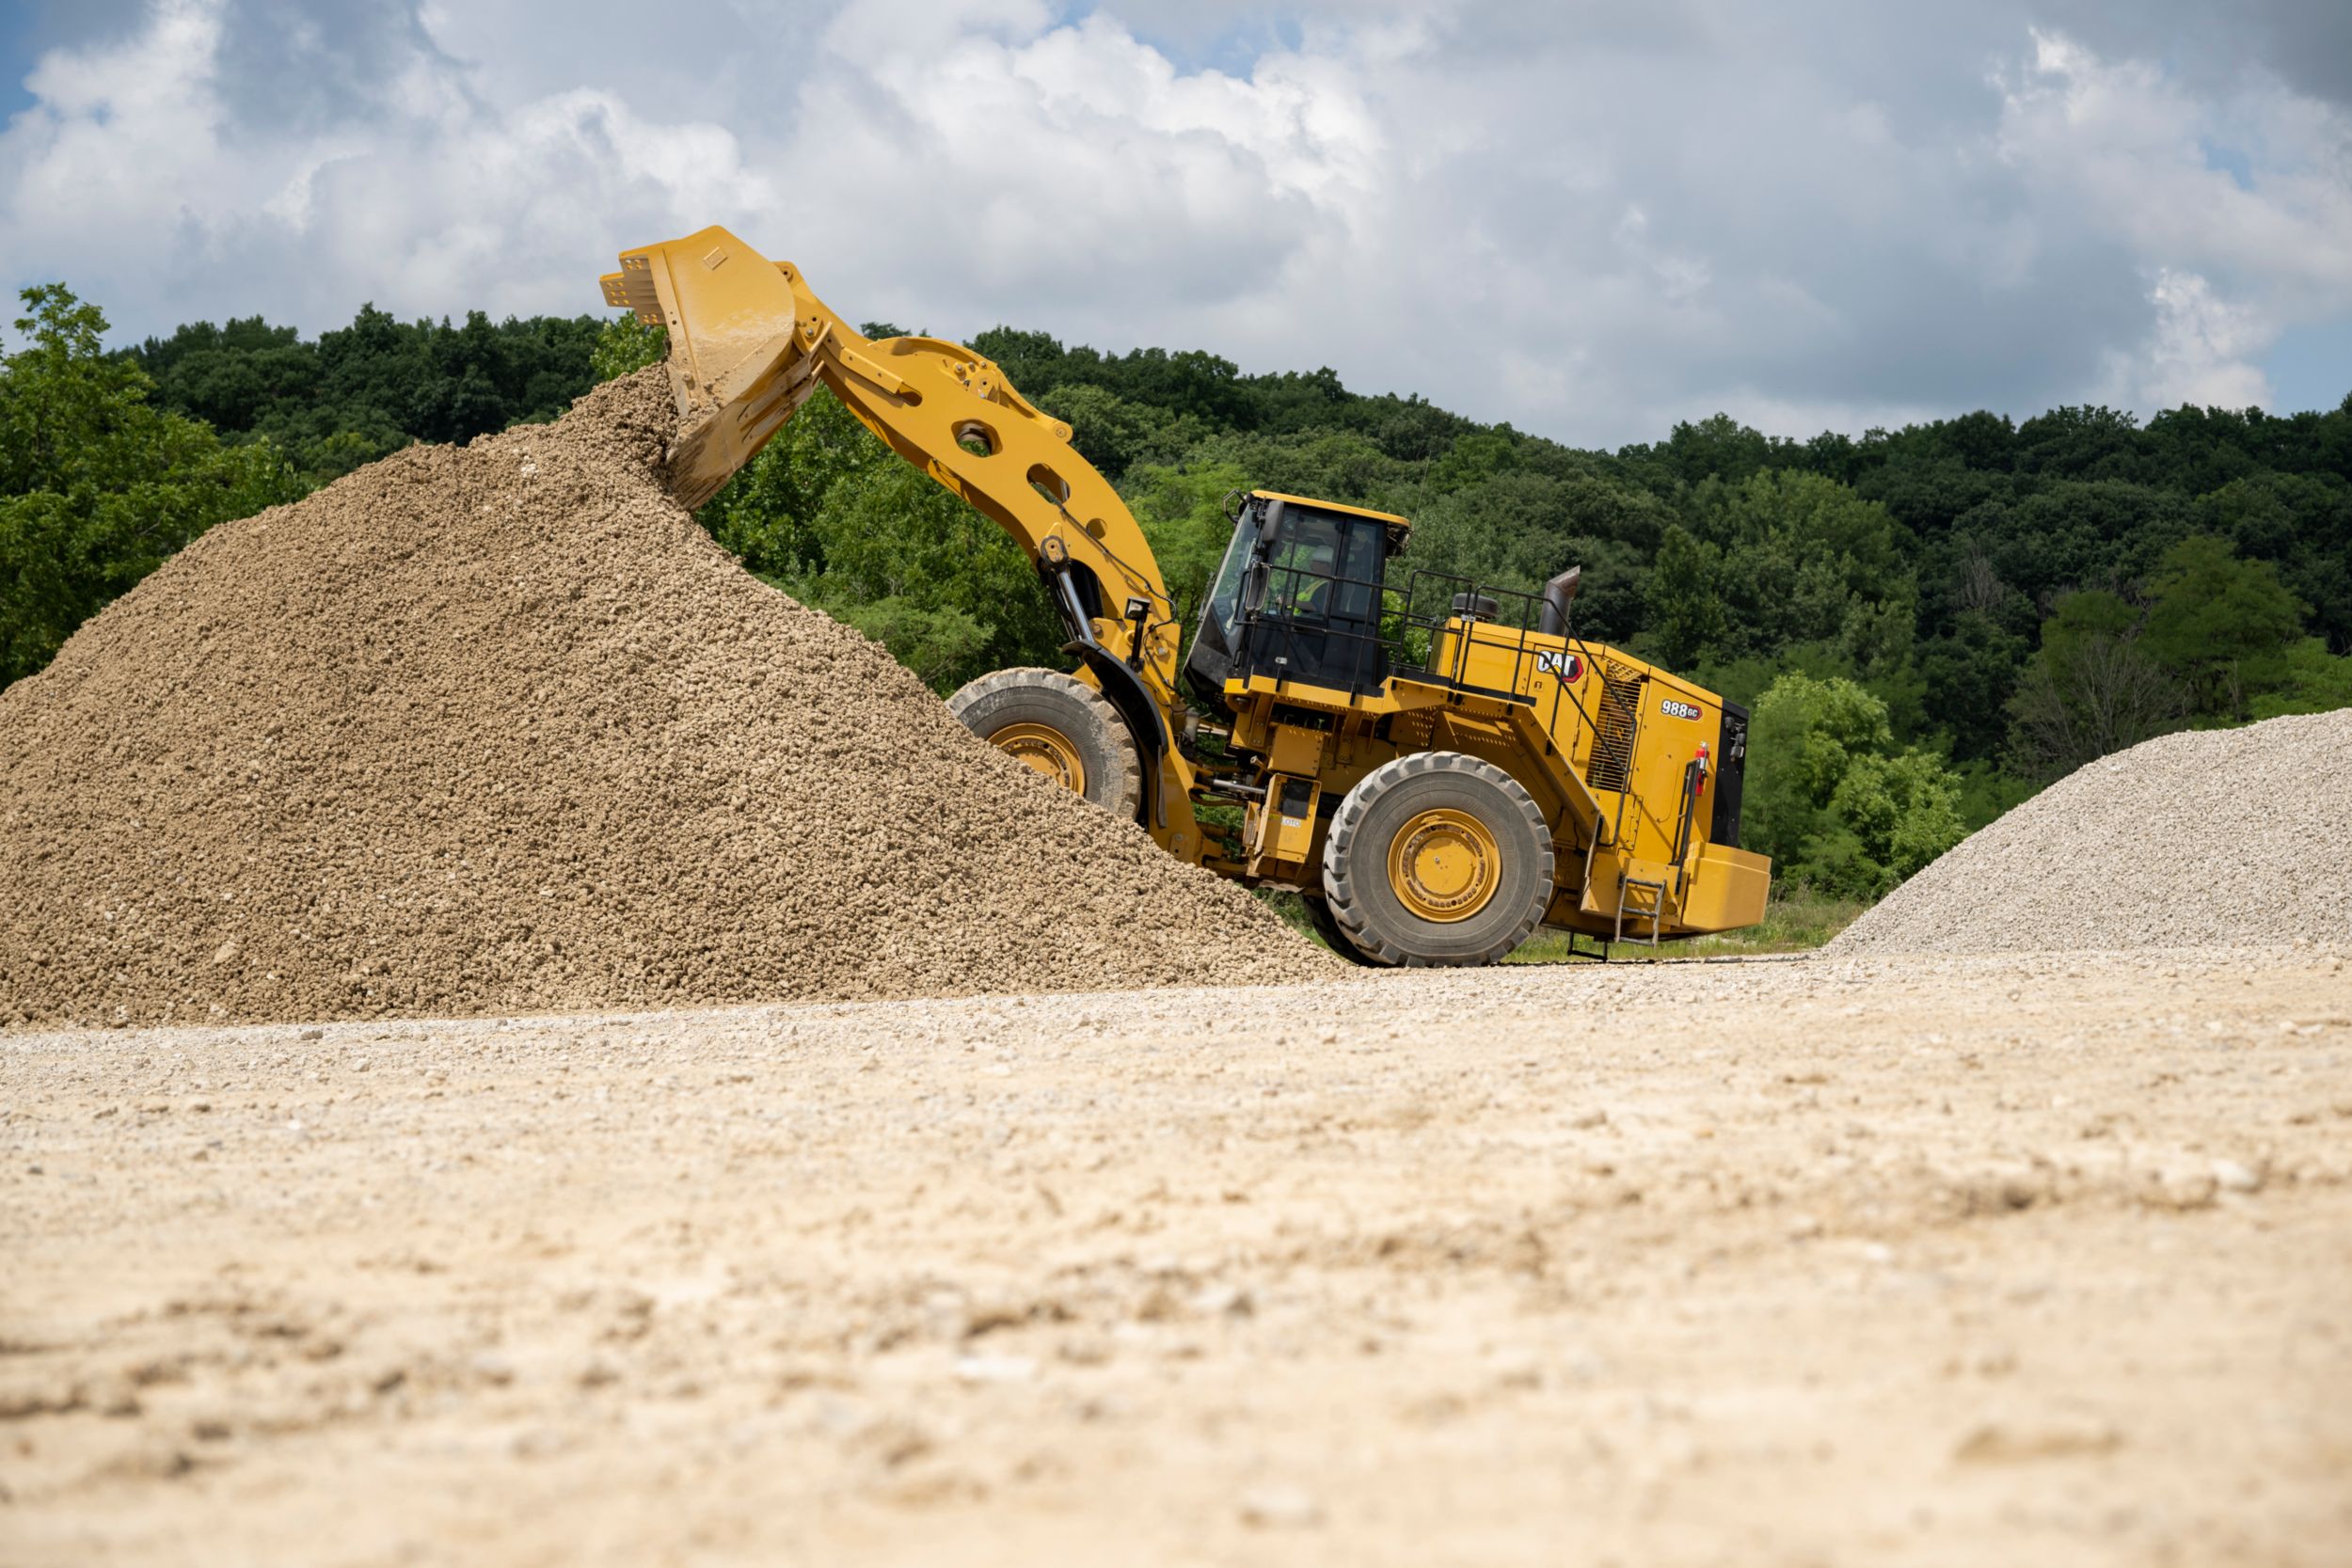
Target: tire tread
column 1340, row 872
column 1125, row 796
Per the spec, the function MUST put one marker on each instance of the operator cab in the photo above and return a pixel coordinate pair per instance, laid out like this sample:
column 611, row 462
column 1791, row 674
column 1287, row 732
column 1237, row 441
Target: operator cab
column 1297, row 598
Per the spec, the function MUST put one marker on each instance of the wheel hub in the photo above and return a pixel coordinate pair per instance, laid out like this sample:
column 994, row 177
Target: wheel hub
column 1042, row 749
column 1443, row 866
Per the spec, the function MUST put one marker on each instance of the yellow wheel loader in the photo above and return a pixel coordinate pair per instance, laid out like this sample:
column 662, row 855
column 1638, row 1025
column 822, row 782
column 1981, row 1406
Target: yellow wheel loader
column 1437, row 767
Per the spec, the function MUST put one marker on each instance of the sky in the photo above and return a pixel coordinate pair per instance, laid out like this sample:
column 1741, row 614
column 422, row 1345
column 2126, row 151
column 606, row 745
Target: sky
column 1592, row 220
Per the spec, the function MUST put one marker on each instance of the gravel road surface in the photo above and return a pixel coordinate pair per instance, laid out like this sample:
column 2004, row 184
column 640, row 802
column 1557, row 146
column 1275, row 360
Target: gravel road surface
column 1843, row 1261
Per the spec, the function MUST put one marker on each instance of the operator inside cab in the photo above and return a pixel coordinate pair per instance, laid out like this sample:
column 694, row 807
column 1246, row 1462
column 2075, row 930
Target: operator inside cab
column 1297, row 598
column 1303, row 568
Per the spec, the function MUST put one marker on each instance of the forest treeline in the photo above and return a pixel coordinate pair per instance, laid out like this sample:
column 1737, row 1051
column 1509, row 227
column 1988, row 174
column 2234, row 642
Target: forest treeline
column 1928, row 623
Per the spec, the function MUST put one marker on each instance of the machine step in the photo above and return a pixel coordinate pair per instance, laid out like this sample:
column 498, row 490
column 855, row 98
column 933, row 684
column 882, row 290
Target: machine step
column 1630, row 903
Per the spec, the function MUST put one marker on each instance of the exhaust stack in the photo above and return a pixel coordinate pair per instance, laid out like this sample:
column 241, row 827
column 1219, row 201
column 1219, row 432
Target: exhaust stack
column 1559, row 594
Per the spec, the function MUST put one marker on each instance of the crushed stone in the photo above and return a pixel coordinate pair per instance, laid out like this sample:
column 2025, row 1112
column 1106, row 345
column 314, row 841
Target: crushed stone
column 498, row 729
column 2221, row 838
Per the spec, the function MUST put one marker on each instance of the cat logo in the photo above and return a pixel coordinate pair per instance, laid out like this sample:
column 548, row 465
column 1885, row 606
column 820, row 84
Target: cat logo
column 1567, row 667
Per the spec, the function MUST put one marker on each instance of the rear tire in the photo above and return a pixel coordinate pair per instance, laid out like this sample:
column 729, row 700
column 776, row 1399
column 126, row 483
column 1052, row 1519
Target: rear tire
column 1438, row 858
column 1327, row 927
column 1058, row 726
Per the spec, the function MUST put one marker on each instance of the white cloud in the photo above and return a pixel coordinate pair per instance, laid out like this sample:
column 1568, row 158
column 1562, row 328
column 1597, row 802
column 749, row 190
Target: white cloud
column 122, row 135
column 1590, row 220
column 1018, row 168
column 2204, row 349
column 2229, row 266
column 134, row 179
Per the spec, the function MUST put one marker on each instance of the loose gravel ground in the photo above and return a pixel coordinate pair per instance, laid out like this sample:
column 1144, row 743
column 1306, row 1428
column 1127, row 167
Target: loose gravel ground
column 1954, row 1262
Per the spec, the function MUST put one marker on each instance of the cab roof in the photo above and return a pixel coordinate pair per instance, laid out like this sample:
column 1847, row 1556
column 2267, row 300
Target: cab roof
column 1388, row 517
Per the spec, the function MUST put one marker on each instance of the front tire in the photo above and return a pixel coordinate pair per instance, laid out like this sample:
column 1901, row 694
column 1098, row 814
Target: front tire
column 1438, row 858
column 1058, row 726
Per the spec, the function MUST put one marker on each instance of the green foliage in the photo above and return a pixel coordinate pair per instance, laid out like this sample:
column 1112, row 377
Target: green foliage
column 933, row 581
column 1967, row 675
column 625, row 345
column 2217, row 639
column 1986, row 792
column 767, row 513
column 1333, row 464
column 1686, row 602
column 98, row 485
column 832, row 516
column 2301, row 523
column 2221, row 625
column 1513, row 519
column 2091, row 690
column 1117, row 435
column 1832, row 800
column 363, row 391
column 2314, row 681
column 1182, row 513
column 1806, row 560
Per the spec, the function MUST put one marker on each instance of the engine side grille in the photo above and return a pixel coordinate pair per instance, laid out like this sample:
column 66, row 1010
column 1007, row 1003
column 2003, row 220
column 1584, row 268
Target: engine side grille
column 1619, row 718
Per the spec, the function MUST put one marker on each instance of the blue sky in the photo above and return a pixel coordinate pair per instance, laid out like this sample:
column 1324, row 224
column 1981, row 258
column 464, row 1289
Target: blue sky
column 1591, row 219
column 16, row 60
column 2312, row 367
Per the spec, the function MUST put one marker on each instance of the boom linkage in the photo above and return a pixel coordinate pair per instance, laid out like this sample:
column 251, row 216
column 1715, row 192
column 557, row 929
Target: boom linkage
column 750, row 342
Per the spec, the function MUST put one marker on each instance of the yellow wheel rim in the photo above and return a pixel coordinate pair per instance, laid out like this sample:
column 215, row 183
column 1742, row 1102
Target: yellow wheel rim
column 1443, row 866
column 1045, row 749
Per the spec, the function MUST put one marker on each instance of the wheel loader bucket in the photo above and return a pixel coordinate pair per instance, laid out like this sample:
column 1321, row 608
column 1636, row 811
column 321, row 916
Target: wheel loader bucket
column 737, row 365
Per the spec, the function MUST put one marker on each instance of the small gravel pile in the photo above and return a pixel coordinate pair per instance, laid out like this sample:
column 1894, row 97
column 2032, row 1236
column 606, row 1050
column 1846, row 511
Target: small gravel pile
column 2215, row 838
column 498, row 729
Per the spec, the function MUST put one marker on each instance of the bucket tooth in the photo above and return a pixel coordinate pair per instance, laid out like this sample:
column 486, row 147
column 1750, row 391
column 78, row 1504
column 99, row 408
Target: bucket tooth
column 631, row 289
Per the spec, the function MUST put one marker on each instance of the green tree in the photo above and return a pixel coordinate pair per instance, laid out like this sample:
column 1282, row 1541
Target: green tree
column 2221, row 625
column 96, row 485
column 1969, row 675
column 2316, row 682
column 1182, row 513
column 2092, row 689
column 1117, row 435
column 767, row 513
column 1719, row 446
column 1806, row 560
column 1333, row 464
column 1686, row 608
column 361, row 392
column 1519, row 525
column 939, row 585
column 2303, row 524
column 1829, row 798
column 625, row 345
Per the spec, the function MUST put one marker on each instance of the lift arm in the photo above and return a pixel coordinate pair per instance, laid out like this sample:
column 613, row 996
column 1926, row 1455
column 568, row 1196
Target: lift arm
column 748, row 341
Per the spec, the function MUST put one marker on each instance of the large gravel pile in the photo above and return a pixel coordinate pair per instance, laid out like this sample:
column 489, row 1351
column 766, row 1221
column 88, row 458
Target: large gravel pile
column 498, row 729
column 2213, row 838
